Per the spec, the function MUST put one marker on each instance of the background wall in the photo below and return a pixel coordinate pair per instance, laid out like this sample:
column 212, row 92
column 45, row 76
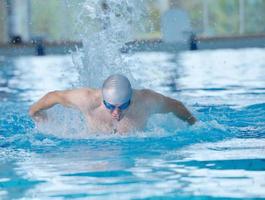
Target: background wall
column 3, row 31
column 57, row 20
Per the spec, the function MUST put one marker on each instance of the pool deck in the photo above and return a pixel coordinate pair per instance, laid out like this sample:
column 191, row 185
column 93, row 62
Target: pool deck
column 57, row 48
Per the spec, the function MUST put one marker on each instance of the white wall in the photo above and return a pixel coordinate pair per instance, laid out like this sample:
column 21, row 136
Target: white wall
column 3, row 30
column 20, row 19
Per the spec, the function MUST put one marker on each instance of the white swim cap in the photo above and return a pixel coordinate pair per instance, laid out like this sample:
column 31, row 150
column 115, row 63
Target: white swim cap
column 117, row 89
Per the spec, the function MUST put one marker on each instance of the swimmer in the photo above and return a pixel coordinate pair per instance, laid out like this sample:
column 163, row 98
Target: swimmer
column 116, row 107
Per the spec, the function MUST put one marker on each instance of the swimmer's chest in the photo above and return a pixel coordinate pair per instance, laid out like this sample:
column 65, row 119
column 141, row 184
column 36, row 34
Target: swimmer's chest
column 102, row 121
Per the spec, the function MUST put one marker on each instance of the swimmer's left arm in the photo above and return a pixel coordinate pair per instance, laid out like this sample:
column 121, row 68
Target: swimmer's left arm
column 163, row 104
column 179, row 110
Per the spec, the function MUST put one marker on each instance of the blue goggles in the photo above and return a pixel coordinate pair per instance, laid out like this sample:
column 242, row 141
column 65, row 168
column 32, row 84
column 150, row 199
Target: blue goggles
column 121, row 107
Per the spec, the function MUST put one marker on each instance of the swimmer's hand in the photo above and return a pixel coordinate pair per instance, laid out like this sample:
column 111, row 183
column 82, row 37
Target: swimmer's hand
column 39, row 116
column 191, row 120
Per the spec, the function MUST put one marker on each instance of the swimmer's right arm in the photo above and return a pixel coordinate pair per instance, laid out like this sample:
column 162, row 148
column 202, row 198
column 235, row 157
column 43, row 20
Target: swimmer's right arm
column 68, row 98
column 46, row 102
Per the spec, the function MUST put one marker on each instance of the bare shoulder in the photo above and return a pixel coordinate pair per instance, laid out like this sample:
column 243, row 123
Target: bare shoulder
column 157, row 102
column 156, row 96
column 149, row 94
column 84, row 92
column 82, row 98
column 81, row 93
column 149, row 99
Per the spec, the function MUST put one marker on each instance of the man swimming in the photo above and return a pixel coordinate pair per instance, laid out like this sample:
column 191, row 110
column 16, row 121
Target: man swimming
column 114, row 108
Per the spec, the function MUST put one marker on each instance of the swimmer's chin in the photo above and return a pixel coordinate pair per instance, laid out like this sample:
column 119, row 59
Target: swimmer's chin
column 117, row 119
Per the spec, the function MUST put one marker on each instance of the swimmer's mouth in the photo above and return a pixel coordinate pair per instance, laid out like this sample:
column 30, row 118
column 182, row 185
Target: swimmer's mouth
column 118, row 118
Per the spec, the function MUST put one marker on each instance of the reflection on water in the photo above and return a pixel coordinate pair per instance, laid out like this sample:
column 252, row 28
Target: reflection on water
column 233, row 168
column 219, row 77
column 232, row 77
column 73, row 176
column 30, row 77
column 221, row 157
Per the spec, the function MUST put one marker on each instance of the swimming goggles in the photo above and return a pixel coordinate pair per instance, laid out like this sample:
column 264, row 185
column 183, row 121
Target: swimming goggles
column 121, row 107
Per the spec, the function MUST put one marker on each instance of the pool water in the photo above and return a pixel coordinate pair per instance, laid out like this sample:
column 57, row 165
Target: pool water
column 221, row 157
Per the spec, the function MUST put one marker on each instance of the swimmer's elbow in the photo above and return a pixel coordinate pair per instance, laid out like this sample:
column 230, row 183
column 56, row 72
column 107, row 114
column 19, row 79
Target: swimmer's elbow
column 59, row 97
column 45, row 102
column 53, row 98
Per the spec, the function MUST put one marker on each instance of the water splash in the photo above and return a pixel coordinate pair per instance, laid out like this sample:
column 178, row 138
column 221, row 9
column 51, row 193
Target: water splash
column 107, row 25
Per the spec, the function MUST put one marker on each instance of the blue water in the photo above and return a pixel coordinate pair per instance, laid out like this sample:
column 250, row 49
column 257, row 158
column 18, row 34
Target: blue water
column 221, row 157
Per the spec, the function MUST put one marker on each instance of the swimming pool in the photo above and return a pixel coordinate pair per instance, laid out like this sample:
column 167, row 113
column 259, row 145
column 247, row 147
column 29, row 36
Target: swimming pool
column 222, row 157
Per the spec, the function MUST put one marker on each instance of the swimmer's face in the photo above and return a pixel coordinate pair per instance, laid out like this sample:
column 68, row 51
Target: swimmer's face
column 118, row 110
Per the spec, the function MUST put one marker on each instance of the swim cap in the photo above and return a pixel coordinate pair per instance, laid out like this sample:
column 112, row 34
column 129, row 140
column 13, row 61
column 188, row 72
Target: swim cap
column 117, row 89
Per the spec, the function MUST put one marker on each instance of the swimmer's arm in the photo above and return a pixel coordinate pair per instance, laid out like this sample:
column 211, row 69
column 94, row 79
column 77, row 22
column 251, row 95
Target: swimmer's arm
column 68, row 98
column 163, row 104
column 179, row 110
